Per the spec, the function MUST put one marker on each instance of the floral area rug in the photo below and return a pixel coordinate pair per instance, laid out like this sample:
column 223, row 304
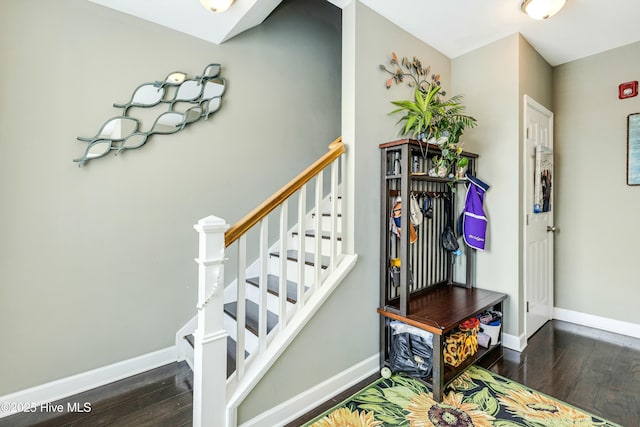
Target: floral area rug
column 476, row 398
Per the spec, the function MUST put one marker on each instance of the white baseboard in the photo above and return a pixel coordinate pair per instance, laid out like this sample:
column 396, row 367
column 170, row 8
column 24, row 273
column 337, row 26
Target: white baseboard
column 303, row 403
column 59, row 389
column 519, row 343
column 597, row 322
column 514, row 342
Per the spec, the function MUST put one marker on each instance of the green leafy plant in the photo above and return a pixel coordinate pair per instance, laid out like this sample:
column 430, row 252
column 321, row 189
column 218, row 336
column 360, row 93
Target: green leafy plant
column 462, row 163
column 429, row 117
column 419, row 113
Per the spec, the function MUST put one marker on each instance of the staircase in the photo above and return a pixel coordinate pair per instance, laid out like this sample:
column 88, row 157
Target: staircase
column 273, row 282
column 293, row 271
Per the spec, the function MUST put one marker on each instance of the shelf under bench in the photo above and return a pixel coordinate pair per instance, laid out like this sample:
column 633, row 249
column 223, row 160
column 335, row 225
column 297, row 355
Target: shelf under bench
column 439, row 311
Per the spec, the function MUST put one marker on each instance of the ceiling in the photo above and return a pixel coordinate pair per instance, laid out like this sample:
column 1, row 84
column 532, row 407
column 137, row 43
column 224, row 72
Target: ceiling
column 454, row 27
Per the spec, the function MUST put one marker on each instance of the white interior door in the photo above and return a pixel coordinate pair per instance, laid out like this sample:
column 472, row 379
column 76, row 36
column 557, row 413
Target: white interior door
column 539, row 206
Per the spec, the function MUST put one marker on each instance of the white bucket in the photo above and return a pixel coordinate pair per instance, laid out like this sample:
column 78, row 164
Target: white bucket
column 492, row 331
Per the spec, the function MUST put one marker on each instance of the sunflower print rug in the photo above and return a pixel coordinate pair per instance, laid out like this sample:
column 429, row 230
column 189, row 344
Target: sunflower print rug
column 476, row 398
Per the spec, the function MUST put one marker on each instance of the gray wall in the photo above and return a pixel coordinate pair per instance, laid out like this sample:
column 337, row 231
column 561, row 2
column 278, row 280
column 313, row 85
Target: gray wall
column 345, row 330
column 596, row 211
column 494, row 79
column 96, row 264
column 488, row 78
column 535, row 79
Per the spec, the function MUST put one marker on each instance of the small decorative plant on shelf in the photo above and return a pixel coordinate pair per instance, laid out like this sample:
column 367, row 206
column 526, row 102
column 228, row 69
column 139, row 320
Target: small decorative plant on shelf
column 428, row 117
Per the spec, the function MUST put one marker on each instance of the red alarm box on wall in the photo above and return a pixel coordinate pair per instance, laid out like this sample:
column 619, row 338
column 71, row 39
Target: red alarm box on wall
column 628, row 90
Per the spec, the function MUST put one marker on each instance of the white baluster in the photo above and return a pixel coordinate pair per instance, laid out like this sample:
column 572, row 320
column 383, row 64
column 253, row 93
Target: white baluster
column 334, row 217
column 302, row 213
column 282, row 285
column 241, row 305
column 264, row 262
column 317, row 229
column 347, row 212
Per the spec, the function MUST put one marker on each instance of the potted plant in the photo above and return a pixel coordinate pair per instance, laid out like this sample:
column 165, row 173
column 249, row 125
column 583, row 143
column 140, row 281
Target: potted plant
column 429, row 117
column 461, row 167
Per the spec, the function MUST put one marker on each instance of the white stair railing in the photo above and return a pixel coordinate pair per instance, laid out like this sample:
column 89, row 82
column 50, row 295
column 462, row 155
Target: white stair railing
column 222, row 395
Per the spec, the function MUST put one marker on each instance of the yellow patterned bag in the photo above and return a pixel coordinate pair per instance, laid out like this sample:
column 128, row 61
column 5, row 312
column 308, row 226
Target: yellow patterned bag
column 461, row 344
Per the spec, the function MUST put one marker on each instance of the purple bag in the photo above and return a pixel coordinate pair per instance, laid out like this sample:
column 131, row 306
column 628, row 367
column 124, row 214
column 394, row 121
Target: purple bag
column 474, row 221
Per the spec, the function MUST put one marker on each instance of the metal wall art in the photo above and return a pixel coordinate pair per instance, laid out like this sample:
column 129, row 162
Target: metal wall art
column 176, row 102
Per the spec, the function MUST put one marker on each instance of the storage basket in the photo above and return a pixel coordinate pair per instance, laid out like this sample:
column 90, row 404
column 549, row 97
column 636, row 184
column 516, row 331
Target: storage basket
column 491, row 322
column 493, row 331
column 461, row 344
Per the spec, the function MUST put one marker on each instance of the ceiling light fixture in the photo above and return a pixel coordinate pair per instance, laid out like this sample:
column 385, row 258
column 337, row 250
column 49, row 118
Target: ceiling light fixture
column 217, row 6
column 541, row 9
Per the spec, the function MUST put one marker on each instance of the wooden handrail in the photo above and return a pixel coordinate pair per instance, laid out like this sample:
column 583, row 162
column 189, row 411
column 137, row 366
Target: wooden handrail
column 336, row 149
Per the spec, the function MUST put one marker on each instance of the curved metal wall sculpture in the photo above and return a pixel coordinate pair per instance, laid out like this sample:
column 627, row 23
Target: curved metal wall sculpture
column 188, row 101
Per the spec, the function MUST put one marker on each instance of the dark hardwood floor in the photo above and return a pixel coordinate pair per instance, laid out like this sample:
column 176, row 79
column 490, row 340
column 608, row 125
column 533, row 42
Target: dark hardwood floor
column 160, row 397
column 591, row 369
column 588, row 368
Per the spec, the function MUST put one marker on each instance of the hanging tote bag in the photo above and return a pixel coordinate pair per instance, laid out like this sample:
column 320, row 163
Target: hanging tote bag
column 394, row 222
column 474, row 220
column 415, row 212
column 449, row 239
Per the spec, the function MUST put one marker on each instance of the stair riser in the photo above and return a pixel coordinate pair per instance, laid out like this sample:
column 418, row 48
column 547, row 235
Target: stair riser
column 253, row 293
column 292, row 270
column 310, row 245
column 251, row 340
column 328, row 206
column 189, row 355
column 273, row 301
column 325, row 223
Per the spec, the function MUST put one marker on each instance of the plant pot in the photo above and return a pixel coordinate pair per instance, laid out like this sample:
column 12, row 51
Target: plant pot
column 438, row 141
column 440, row 173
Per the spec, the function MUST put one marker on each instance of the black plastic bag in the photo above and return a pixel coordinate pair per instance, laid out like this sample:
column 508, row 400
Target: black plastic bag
column 410, row 354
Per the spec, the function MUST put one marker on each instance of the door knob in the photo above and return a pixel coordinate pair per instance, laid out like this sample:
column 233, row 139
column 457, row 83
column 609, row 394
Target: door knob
column 551, row 228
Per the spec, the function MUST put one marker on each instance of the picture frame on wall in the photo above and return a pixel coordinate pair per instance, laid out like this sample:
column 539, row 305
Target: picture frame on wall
column 633, row 149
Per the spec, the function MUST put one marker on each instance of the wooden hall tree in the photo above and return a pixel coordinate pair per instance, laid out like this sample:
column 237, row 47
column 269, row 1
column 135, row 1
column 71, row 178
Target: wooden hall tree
column 417, row 284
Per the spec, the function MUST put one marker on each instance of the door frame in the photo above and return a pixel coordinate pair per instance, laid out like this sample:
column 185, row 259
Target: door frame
column 529, row 102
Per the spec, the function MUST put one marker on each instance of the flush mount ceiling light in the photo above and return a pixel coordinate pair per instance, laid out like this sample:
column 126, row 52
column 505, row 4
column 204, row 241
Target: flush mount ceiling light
column 541, row 9
column 217, row 6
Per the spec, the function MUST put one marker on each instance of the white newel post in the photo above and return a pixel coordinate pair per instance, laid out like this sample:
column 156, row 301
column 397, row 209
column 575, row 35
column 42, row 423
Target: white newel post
column 210, row 338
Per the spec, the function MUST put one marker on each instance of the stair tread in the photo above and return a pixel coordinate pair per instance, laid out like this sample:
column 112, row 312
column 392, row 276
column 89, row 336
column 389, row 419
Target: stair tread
column 273, row 287
column 309, row 257
column 324, row 234
column 251, row 318
column 190, row 339
column 231, row 352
